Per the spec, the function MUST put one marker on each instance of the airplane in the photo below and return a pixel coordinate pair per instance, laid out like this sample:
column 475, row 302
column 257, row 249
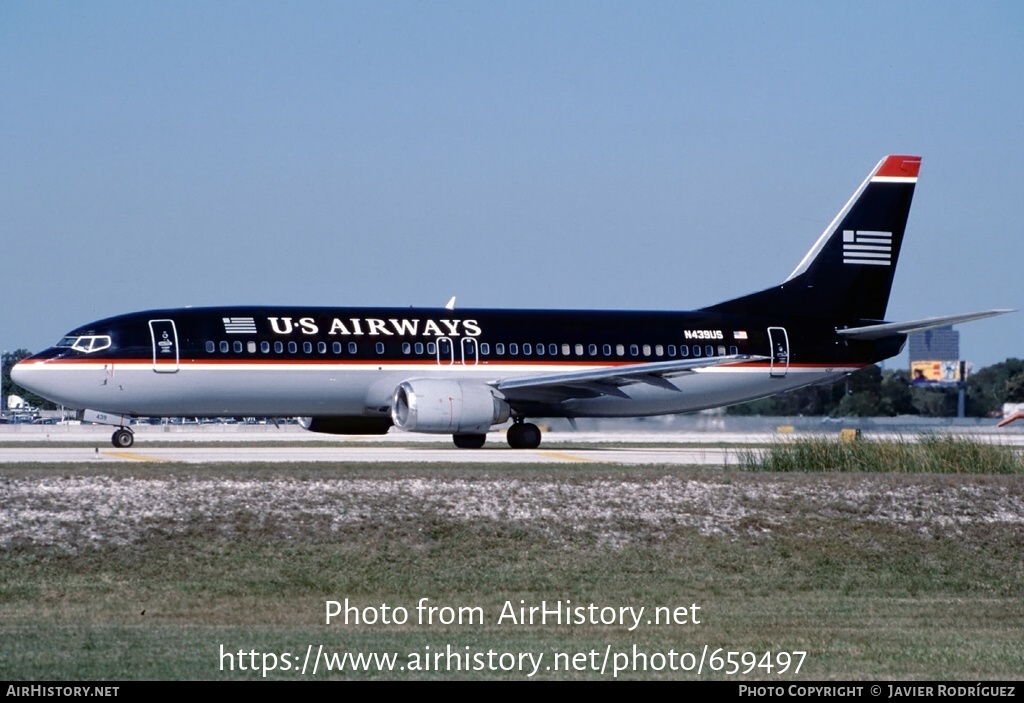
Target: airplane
column 462, row 372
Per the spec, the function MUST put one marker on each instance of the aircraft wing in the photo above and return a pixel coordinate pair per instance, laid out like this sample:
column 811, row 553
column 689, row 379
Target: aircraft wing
column 608, row 380
column 889, row 328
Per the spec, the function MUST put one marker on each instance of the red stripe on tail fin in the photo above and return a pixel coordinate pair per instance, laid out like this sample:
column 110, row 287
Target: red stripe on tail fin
column 900, row 167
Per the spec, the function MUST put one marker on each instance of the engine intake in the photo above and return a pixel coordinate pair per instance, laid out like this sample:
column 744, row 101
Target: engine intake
column 447, row 407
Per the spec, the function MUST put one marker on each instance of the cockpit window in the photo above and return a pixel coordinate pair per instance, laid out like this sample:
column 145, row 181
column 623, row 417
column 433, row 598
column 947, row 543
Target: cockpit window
column 85, row 343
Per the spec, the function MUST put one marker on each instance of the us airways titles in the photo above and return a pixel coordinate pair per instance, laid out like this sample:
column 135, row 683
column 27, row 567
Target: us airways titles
column 372, row 326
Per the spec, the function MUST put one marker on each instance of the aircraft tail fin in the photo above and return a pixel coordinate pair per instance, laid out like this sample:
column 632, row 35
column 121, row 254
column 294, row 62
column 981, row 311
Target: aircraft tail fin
column 848, row 272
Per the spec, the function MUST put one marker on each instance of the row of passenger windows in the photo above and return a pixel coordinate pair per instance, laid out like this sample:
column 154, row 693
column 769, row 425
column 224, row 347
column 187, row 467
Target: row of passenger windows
column 279, row 347
column 470, row 347
column 658, row 350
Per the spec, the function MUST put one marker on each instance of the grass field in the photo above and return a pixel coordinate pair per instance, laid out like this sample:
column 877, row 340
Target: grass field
column 173, row 572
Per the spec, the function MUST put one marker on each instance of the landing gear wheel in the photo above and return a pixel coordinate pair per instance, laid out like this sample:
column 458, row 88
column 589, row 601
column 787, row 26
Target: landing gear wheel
column 469, row 441
column 523, row 435
column 123, row 438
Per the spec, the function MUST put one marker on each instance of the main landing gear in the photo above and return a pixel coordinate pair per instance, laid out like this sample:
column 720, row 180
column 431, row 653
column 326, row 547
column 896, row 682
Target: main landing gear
column 521, row 435
column 469, row 441
column 123, row 438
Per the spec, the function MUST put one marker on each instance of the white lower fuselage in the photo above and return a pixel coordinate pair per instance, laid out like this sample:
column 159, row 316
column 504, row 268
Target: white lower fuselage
column 357, row 389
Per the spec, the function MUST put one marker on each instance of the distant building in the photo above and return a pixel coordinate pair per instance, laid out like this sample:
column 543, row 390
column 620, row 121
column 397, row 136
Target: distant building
column 939, row 344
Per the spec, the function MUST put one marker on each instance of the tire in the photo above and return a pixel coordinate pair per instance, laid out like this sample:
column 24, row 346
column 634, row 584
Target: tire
column 123, row 439
column 523, row 435
column 530, row 438
column 469, row 441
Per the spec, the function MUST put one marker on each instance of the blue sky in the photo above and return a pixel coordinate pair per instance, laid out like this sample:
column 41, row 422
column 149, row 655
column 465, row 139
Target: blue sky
column 520, row 154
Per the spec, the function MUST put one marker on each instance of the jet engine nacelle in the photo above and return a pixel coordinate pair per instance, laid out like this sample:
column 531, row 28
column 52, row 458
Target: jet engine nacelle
column 447, row 407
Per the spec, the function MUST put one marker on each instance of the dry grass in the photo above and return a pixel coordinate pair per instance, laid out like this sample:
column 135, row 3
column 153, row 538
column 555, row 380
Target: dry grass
column 142, row 571
column 928, row 454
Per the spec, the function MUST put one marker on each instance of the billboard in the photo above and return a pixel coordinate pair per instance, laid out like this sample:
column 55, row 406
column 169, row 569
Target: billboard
column 937, row 371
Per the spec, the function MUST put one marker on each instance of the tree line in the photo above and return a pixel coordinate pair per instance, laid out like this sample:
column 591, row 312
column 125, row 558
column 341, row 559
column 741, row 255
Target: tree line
column 877, row 392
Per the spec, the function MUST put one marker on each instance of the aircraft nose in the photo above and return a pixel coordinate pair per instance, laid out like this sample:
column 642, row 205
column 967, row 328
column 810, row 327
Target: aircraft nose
column 20, row 375
column 42, row 378
column 31, row 375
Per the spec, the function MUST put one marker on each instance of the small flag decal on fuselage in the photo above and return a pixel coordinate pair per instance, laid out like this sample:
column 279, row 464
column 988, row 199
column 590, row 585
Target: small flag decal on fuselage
column 239, row 325
column 867, row 247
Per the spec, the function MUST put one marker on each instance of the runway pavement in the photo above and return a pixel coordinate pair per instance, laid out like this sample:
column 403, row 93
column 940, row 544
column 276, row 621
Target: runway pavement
column 201, row 446
column 253, row 444
column 378, row 454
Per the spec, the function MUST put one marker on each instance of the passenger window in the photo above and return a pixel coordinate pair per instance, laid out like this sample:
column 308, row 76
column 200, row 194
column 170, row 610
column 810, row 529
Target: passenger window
column 225, row 347
column 696, row 350
column 431, row 348
column 553, row 349
column 265, row 347
column 485, row 349
column 647, row 350
column 406, row 348
column 418, row 348
column 592, row 350
column 527, row 349
column 620, row 350
column 210, row 346
column 565, row 350
column 352, row 348
column 709, row 350
column 607, row 349
column 671, row 349
column 499, row 349
column 238, row 347
column 513, row 349
column 634, row 350
column 684, row 351
column 734, row 350
column 659, row 350
column 336, row 347
column 250, row 346
column 380, row 347
column 307, row 347
column 292, row 347
column 278, row 347
column 721, row 351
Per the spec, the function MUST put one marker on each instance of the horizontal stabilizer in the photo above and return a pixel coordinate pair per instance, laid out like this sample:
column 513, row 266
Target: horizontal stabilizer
column 887, row 329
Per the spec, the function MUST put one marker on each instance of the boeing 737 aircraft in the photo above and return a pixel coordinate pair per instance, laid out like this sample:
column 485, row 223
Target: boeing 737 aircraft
column 442, row 371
